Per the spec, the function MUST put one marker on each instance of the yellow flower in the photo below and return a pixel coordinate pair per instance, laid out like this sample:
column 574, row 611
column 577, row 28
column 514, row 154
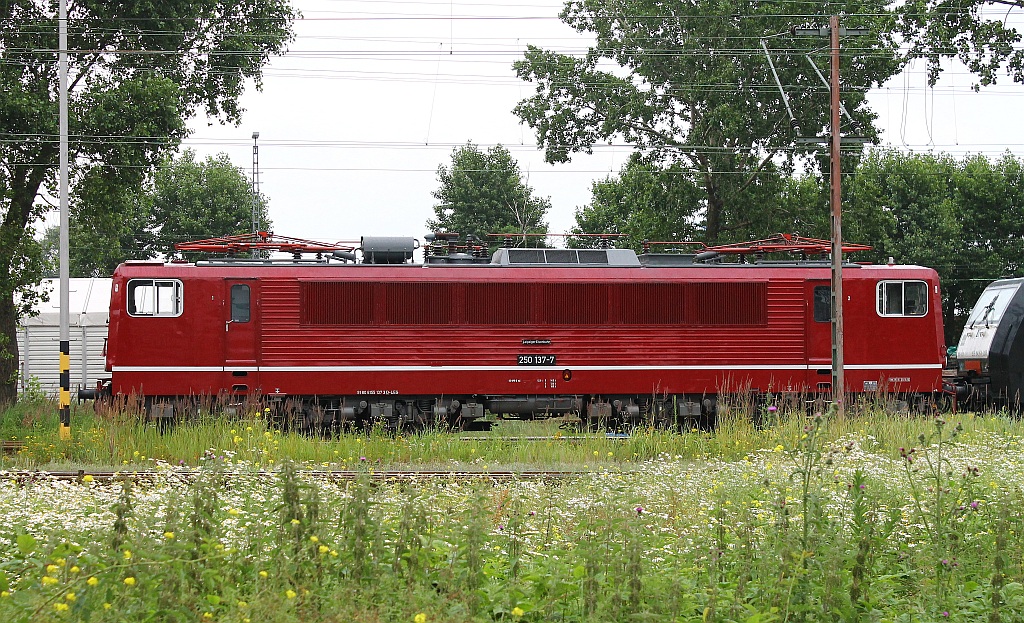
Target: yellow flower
column 4, row 594
column 233, row 511
column 233, row 431
column 778, row 448
column 87, row 478
column 237, row 439
column 106, row 606
column 595, row 453
column 517, row 611
column 168, row 535
column 611, row 454
column 207, row 615
column 243, row 604
column 70, row 597
column 264, row 574
column 295, row 522
column 420, row 618
column 127, row 554
column 334, row 552
column 290, row 594
column 93, row 581
column 59, row 561
column 60, row 607
column 52, row 568
column 314, row 539
column 48, row 580
column 74, row 569
column 323, row 549
column 130, row 581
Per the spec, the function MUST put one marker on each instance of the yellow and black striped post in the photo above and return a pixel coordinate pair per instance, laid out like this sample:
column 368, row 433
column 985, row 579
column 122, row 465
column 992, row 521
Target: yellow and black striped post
column 65, row 389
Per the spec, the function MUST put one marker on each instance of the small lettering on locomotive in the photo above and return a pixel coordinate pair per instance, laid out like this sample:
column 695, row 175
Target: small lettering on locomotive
column 536, row 342
column 377, row 392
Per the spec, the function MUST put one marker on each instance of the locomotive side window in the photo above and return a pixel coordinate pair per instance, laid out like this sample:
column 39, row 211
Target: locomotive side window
column 902, row 298
column 154, row 297
column 239, row 303
column 822, row 303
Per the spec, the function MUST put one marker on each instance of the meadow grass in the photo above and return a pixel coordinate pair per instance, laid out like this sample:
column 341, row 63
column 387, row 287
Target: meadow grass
column 118, row 439
column 874, row 517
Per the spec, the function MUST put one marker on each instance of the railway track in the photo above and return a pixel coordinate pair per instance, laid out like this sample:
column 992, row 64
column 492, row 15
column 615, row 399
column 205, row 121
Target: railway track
column 28, row 476
column 14, row 446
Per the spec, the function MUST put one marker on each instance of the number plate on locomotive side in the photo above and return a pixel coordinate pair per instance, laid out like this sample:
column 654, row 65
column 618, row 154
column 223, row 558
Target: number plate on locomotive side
column 535, row 360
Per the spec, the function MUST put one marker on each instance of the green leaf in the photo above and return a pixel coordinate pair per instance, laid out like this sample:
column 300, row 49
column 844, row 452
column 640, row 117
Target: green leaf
column 26, row 544
column 214, row 600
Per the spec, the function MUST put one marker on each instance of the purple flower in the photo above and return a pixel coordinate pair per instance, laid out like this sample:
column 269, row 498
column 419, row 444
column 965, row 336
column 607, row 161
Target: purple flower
column 945, row 613
column 639, row 510
column 773, row 409
column 362, row 458
column 974, row 505
column 532, row 513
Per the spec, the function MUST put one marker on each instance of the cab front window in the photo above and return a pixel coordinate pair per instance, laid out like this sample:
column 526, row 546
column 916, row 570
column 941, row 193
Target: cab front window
column 902, row 298
column 154, row 297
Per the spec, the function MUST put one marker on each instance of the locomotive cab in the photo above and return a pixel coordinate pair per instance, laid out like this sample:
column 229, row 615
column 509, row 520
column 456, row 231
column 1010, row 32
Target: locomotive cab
column 990, row 354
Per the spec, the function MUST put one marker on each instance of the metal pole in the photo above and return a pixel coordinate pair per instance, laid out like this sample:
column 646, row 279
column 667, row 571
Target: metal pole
column 838, row 375
column 65, row 321
column 255, row 189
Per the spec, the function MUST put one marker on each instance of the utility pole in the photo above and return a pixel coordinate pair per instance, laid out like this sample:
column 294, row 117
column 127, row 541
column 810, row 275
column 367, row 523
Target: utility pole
column 63, row 251
column 838, row 373
column 835, row 141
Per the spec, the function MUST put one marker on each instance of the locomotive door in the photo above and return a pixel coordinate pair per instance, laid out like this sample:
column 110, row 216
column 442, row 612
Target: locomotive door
column 241, row 335
column 819, row 335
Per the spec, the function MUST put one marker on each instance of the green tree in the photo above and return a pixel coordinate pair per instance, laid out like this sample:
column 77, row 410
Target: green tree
column 141, row 69
column 483, row 192
column 185, row 200
column 192, row 200
column 651, row 202
column 645, row 202
column 689, row 85
column 963, row 218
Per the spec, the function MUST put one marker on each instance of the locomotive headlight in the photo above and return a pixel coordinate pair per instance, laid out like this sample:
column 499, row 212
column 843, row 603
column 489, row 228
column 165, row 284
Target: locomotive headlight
column 567, row 375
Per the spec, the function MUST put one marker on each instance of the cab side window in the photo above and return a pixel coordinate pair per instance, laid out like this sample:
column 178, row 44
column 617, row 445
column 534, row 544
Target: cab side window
column 154, row 297
column 822, row 303
column 240, row 303
column 902, row 298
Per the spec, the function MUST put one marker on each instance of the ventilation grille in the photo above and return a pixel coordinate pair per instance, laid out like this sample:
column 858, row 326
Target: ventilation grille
column 557, row 256
column 517, row 303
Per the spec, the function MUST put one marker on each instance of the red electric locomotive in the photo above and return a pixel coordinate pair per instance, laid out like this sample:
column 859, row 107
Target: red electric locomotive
column 616, row 337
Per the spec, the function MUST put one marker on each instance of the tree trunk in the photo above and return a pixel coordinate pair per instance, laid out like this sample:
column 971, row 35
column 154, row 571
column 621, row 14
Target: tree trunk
column 24, row 183
column 8, row 350
column 715, row 206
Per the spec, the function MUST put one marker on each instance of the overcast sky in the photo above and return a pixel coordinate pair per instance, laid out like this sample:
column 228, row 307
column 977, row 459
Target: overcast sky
column 374, row 94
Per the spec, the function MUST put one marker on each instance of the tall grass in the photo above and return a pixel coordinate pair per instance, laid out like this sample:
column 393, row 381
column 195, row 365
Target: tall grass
column 119, row 438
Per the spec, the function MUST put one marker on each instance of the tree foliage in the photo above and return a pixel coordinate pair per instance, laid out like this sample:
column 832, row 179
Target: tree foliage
column 186, row 199
column 964, row 218
column 192, row 200
column 975, row 32
column 689, row 85
column 483, row 192
column 137, row 71
column 651, row 202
